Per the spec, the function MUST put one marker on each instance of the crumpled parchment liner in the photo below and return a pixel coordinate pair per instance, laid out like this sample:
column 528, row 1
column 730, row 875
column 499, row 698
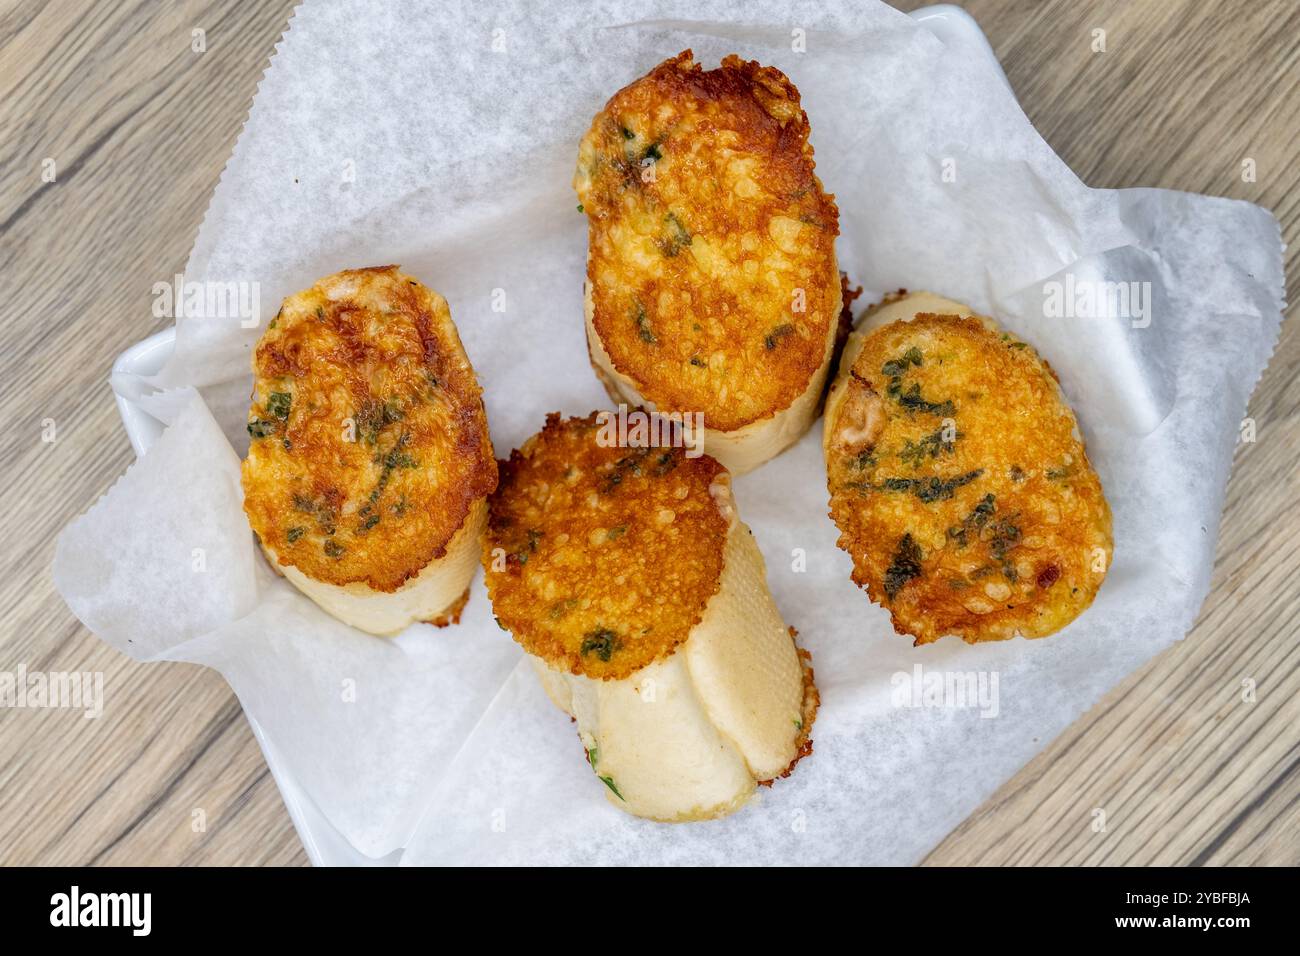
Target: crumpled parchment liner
column 460, row 160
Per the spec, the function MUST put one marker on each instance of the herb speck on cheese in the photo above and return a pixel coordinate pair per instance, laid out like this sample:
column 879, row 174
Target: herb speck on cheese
column 602, row 642
column 905, row 566
column 279, row 403
column 772, row 338
column 643, row 329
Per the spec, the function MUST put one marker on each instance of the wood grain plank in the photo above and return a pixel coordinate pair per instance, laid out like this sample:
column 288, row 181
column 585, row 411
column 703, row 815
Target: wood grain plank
column 140, row 127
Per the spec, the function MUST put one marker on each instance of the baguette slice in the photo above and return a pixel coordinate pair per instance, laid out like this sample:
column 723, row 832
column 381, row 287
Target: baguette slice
column 627, row 575
column 369, row 461
column 712, row 283
column 958, row 477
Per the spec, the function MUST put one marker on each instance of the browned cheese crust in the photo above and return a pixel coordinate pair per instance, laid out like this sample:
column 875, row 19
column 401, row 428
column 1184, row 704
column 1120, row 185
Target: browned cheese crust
column 705, row 216
column 960, row 486
column 600, row 560
column 369, row 442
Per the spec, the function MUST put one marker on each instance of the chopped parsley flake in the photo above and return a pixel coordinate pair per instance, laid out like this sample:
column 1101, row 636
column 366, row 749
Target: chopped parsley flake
column 678, row 237
column 905, row 566
column 279, row 403
column 933, row 488
column 643, row 329
column 530, row 548
column 975, row 521
column 896, row 367
column 399, row 459
column 913, row 402
column 910, row 398
column 1004, row 536
column 628, row 464
column 562, row 608
column 602, row 642
column 777, row 334
column 914, row 453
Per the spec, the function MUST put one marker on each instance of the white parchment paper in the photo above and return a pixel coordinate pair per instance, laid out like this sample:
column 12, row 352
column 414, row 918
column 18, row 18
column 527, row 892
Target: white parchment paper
column 443, row 137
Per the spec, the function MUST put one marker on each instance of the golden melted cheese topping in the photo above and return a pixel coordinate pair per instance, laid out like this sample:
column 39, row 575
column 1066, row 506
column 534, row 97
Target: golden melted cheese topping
column 711, row 255
column 600, row 559
column 961, row 486
column 368, row 439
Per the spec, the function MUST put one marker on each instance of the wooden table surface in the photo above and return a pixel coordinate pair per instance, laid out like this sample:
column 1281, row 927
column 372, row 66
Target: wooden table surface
column 139, row 127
